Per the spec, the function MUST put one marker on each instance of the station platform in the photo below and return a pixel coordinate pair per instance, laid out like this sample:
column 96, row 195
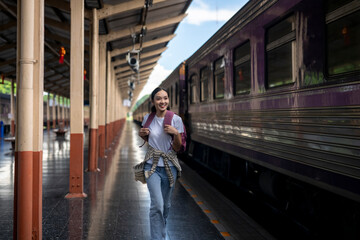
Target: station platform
column 117, row 207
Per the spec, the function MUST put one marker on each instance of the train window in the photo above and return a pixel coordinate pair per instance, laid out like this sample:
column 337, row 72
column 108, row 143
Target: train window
column 219, row 78
column 176, row 93
column 171, row 96
column 242, row 69
column 193, row 89
column 332, row 5
column 204, row 83
column 280, row 45
column 343, row 37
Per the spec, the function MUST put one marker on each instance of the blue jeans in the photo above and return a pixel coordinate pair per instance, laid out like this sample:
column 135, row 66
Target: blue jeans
column 160, row 195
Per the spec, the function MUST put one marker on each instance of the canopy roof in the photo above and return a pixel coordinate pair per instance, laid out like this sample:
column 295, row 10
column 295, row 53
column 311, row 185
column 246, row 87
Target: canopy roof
column 126, row 25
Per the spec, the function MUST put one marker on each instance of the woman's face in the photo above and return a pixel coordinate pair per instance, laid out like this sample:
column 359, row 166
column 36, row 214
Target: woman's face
column 161, row 101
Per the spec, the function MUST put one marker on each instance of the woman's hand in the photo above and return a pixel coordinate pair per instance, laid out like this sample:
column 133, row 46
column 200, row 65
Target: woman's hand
column 170, row 130
column 177, row 137
column 143, row 133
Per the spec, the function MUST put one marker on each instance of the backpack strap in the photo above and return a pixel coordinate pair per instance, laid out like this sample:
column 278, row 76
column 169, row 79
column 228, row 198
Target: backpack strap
column 168, row 117
column 147, row 124
column 167, row 120
column 149, row 120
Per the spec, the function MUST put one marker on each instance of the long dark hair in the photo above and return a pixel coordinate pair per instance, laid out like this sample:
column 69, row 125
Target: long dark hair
column 154, row 92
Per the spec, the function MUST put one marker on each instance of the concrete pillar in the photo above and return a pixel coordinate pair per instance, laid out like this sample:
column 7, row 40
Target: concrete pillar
column 29, row 138
column 108, row 100
column 68, row 113
column 48, row 113
column 54, row 111
column 94, row 83
column 12, row 109
column 102, row 98
column 38, row 118
column 58, row 116
column 77, row 100
column 113, row 91
column 63, row 113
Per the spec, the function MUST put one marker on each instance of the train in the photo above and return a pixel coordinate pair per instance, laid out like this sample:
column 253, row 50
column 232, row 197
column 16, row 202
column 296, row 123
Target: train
column 271, row 104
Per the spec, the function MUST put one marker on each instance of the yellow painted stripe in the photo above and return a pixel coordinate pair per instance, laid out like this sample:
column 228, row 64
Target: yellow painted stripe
column 215, row 221
column 200, row 202
column 207, row 211
column 194, row 196
column 225, row 234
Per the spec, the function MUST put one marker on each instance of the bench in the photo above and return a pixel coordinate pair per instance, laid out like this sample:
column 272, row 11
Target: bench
column 60, row 132
column 12, row 140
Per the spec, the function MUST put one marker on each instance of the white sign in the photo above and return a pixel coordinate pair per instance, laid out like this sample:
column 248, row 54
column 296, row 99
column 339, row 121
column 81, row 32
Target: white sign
column 126, row 103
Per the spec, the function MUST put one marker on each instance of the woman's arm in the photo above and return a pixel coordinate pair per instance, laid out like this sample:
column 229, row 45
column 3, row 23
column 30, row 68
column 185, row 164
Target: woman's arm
column 144, row 133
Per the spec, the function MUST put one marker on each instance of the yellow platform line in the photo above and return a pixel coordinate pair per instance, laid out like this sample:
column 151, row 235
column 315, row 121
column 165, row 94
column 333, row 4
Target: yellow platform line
column 213, row 221
column 225, row 234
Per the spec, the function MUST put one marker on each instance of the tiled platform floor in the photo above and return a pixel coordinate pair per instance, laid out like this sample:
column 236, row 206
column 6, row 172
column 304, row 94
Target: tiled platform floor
column 116, row 206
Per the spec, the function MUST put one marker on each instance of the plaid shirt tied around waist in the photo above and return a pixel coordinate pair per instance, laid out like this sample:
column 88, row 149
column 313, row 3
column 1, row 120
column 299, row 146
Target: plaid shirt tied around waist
column 141, row 175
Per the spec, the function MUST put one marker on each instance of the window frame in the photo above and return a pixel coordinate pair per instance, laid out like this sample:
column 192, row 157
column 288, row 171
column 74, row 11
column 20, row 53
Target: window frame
column 171, row 97
column 206, row 78
column 217, row 72
column 239, row 62
column 176, row 93
column 281, row 42
column 193, row 83
column 331, row 17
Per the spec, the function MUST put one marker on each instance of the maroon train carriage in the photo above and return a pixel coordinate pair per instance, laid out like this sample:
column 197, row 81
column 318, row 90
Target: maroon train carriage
column 176, row 86
column 273, row 106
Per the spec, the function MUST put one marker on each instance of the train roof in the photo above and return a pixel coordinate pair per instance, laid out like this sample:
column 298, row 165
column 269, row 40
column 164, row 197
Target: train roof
column 251, row 10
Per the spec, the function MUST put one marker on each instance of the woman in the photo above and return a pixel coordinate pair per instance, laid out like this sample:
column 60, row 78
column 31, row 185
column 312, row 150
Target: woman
column 161, row 165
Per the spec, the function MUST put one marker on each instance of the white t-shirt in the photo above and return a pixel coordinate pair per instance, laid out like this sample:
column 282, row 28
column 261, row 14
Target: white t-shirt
column 158, row 138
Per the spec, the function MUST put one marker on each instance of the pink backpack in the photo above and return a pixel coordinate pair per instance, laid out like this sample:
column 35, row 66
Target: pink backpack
column 167, row 120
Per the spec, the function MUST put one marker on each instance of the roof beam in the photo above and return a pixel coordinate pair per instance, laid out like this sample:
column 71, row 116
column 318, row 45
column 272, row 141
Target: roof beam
column 125, row 70
column 110, row 10
column 59, row 4
column 142, row 56
column 142, row 77
column 64, row 6
column 124, row 84
column 127, row 32
column 152, row 53
column 57, row 24
column 7, row 46
column 63, row 40
column 61, row 25
column 8, row 25
column 144, row 63
column 9, row 73
column 116, row 52
column 142, row 69
column 10, row 61
column 149, row 61
column 129, row 74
